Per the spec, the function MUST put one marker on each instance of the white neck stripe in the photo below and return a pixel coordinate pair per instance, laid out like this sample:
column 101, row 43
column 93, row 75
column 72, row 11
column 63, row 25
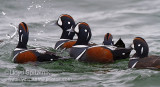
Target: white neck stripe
column 64, row 39
column 133, row 58
column 80, row 46
column 19, row 49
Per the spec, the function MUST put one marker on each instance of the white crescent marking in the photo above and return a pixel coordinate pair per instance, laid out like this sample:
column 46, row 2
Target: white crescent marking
column 21, row 37
column 59, row 45
column 134, row 64
column 88, row 36
column 81, row 55
column 18, row 54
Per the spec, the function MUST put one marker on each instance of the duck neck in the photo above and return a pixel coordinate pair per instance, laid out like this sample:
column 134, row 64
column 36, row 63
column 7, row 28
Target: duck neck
column 23, row 40
column 81, row 41
column 21, row 45
column 67, row 35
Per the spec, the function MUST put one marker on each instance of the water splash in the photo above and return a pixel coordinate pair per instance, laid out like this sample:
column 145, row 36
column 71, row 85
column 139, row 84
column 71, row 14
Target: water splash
column 38, row 6
column 9, row 37
column 3, row 13
column 47, row 22
column 14, row 34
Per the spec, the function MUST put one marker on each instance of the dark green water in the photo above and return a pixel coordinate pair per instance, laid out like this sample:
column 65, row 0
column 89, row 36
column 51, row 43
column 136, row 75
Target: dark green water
column 123, row 18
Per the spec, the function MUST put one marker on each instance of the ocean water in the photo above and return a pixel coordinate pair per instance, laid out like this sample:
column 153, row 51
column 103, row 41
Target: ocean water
column 123, row 18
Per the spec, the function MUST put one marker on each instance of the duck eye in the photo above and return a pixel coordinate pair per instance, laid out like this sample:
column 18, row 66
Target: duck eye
column 20, row 31
column 69, row 22
column 85, row 30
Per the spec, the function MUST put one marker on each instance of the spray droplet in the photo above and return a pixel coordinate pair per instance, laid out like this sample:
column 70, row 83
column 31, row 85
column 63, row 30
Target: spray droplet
column 3, row 13
column 38, row 6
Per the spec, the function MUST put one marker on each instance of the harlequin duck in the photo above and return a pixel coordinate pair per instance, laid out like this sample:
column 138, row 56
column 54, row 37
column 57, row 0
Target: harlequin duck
column 141, row 59
column 98, row 53
column 66, row 22
column 23, row 55
column 108, row 40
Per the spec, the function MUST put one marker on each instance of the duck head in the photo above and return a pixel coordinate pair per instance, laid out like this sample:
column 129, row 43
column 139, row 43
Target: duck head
column 66, row 22
column 108, row 39
column 83, row 32
column 23, row 35
column 141, row 47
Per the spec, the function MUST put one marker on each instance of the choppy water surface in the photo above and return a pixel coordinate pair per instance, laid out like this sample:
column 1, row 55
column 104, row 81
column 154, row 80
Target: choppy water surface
column 123, row 18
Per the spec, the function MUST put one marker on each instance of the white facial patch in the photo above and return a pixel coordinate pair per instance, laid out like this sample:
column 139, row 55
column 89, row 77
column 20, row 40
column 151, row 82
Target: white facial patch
column 69, row 22
column 123, row 54
column 21, row 37
column 88, row 36
column 60, row 21
column 142, row 50
column 132, row 46
column 76, row 29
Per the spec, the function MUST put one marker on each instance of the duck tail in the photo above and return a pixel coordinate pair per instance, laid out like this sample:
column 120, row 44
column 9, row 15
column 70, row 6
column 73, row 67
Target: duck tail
column 120, row 43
